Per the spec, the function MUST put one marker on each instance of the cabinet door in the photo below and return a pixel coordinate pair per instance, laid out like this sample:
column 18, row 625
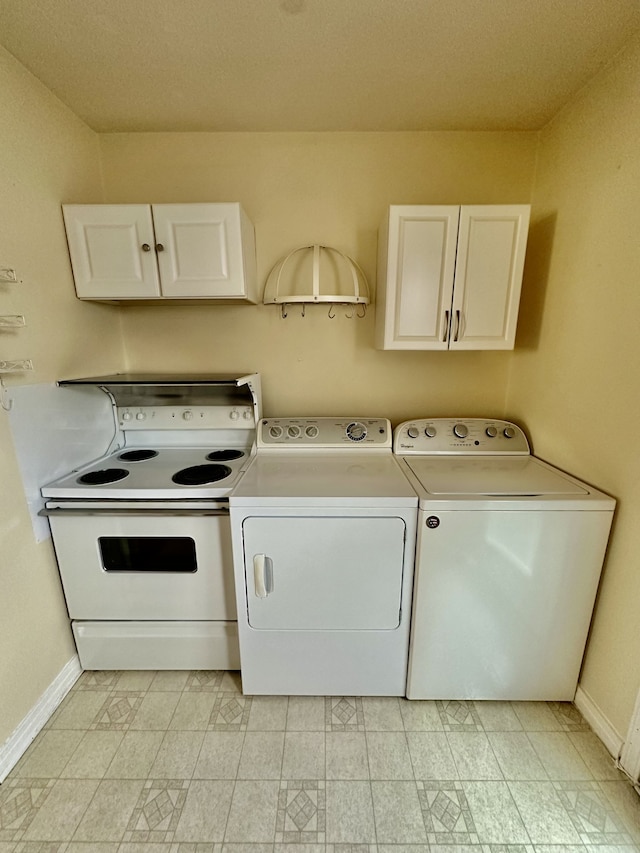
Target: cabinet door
column 417, row 262
column 492, row 241
column 106, row 246
column 202, row 250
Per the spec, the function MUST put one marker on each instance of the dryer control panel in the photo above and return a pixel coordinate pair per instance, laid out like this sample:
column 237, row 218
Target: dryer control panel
column 324, row 433
column 468, row 436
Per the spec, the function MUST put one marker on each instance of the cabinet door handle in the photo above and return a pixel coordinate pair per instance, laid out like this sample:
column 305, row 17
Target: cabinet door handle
column 159, row 247
column 457, row 332
column 446, row 326
column 146, row 247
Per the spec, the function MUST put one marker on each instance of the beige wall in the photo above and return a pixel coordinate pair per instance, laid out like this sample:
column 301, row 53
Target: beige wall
column 331, row 188
column 575, row 372
column 46, row 156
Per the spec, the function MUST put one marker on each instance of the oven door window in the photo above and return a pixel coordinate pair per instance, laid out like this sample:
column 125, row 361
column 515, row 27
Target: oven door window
column 148, row 554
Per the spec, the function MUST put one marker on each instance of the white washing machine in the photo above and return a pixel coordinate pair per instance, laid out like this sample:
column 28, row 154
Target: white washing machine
column 323, row 527
column 508, row 560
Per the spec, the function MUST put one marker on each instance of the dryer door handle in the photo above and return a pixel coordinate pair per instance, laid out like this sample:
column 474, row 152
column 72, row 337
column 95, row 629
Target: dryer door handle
column 262, row 575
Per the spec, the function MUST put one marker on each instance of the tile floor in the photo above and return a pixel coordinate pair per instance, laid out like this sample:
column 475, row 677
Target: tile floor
column 182, row 762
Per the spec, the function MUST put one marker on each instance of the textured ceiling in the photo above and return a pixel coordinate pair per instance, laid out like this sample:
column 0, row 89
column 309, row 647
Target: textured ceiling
column 278, row 65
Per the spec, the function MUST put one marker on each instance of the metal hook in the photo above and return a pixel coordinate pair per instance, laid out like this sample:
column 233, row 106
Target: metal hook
column 284, row 310
column 349, row 314
column 364, row 310
column 3, row 397
column 332, row 308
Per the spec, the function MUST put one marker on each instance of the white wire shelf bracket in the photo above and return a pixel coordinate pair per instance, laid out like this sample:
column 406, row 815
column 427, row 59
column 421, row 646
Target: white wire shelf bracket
column 16, row 366
column 12, row 321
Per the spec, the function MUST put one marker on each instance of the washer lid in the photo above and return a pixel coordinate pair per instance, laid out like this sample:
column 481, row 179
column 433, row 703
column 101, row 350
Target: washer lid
column 516, row 476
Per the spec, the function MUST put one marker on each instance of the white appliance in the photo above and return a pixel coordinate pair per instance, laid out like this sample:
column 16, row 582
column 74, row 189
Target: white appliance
column 142, row 535
column 323, row 528
column 509, row 555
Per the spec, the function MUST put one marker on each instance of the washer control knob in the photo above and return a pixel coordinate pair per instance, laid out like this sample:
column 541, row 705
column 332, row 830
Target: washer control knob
column 141, row 416
column 509, row 432
column 311, row 431
column 413, row 432
column 247, row 414
column 234, row 414
column 293, row 431
column 430, row 432
column 356, row 431
column 491, row 431
column 126, row 416
column 275, row 431
column 187, row 416
column 460, row 431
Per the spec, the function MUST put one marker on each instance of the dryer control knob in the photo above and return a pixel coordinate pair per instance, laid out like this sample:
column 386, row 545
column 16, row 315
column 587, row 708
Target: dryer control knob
column 491, row 432
column 413, row 432
column 126, row 416
column 311, row 431
column 234, row 415
column 140, row 416
column 461, row 431
column 356, row 431
column 293, row 431
column 509, row 432
column 275, row 431
column 430, row 432
column 187, row 416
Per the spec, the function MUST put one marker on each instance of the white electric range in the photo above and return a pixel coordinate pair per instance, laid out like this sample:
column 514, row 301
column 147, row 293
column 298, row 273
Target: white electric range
column 142, row 535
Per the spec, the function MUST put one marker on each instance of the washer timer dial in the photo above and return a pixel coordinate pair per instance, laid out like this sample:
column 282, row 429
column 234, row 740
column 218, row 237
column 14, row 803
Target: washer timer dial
column 356, row 431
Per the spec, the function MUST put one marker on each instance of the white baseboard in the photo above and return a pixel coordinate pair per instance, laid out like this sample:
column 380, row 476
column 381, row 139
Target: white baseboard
column 16, row 745
column 599, row 722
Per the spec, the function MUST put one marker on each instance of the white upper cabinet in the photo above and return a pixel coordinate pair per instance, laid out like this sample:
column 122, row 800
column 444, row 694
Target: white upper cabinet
column 161, row 251
column 449, row 277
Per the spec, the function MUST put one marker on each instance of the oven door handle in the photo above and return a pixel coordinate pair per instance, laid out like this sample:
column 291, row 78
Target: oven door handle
column 132, row 513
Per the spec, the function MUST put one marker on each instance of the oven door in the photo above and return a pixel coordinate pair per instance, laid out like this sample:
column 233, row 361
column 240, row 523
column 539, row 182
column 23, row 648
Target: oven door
column 139, row 564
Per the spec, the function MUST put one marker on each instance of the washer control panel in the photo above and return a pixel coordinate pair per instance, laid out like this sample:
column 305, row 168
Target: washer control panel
column 479, row 436
column 324, row 433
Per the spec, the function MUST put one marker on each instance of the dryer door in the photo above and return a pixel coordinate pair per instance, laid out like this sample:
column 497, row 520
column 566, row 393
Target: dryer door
column 329, row 573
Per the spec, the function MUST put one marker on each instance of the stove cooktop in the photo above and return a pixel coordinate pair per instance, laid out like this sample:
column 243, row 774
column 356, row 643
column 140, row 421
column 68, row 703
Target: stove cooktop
column 155, row 473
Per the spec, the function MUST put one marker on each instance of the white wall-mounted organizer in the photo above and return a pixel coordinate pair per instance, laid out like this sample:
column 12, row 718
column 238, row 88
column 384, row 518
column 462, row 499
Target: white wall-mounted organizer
column 11, row 321
column 313, row 275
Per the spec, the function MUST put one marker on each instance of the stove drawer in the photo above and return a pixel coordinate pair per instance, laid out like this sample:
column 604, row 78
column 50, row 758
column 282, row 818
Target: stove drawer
column 146, row 566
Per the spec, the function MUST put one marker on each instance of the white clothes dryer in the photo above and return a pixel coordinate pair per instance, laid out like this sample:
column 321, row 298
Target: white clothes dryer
column 508, row 561
column 323, row 528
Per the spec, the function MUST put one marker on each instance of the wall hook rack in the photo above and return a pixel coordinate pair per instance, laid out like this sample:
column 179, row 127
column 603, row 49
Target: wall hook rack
column 11, row 367
column 317, row 274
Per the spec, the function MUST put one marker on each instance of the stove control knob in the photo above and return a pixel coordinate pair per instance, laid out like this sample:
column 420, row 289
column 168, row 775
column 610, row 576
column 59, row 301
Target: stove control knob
column 413, row 432
column 141, row 416
column 187, row 416
column 293, row 431
column 311, row 431
column 460, row 431
column 491, row 431
column 509, row 432
column 356, row 431
column 234, row 415
column 430, row 432
column 275, row 431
